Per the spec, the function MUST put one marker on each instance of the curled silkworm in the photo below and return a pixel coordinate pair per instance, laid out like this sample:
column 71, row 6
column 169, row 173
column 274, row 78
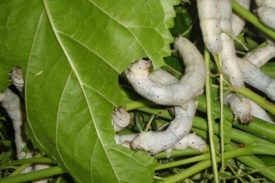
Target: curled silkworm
column 256, row 78
column 261, row 55
column 188, row 87
column 193, row 141
column 209, row 16
column 155, row 142
column 230, row 64
column 238, row 22
column 120, row 119
column 240, row 107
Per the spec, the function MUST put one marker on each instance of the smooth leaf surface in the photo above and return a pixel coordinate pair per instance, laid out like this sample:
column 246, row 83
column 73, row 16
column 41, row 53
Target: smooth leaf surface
column 18, row 25
column 74, row 54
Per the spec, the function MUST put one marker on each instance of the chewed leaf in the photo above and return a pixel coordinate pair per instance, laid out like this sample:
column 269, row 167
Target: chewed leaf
column 78, row 51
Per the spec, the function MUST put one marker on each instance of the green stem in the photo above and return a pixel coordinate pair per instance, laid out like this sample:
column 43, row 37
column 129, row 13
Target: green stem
column 40, row 174
column 247, row 15
column 209, row 116
column 41, row 160
column 184, row 161
column 205, row 164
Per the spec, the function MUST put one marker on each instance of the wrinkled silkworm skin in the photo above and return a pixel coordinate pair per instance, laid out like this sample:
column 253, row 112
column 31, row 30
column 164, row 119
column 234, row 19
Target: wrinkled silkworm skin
column 230, row 64
column 125, row 140
column 193, row 141
column 256, row 78
column 266, row 15
column 163, row 77
column 238, row 22
column 259, row 112
column 11, row 103
column 240, row 107
column 262, row 55
column 266, row 12
column 209, row 16
column 155, row 142
column 120, row 119
column 17, row 78
column 267, row 3
column 190, row 85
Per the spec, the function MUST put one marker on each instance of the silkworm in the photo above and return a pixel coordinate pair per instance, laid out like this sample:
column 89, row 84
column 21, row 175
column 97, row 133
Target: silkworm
column 230, row 64
column 209, row 16
column 188, row 87
column 261, row 55
column 244, row 108
column 17, row 78
column 256, row 78
column 236, row 21
column 155, row 142
column 193, row 141
column 240, row 107
column 266, row 12
column 259, row 112
column 120, row 119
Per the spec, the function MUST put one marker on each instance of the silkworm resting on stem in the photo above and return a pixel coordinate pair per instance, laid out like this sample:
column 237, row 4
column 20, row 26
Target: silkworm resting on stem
column 157, row 141
column 209, row 16
column 240, row 107
column 188, row 87
column 256, row 78
column 261, row 55
column 193, row 141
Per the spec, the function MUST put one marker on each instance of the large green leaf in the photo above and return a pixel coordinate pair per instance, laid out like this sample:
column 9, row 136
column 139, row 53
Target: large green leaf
column 75, row 53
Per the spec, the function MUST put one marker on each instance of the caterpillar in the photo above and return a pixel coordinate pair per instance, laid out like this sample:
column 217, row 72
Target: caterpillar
column 189, row 86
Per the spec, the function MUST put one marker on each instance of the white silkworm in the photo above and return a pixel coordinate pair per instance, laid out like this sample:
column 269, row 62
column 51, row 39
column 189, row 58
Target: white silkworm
column 266, row 12
column 266, row 15
column 163, row 77
column 209, row 16
column 12, row 104
column 236, row 21
column 125, row 140
column 240, row 107
column 230, row 64
column 155, row 142
column 190, row 85
column 259, row 112
column 261, row 55
column 17, row 78
column 120, row 119
column 243, row 108
column 267, row 3
column 256, row 78
column 193, row 141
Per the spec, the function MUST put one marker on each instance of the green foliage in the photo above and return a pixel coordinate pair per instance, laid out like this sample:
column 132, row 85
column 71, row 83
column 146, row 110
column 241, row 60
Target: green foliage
column 73, row 53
